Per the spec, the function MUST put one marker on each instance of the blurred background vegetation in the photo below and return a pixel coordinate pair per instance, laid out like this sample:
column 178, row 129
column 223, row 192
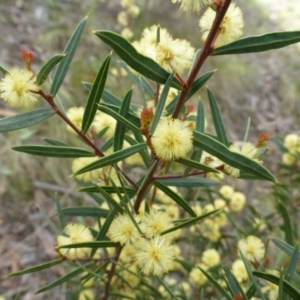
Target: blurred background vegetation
column 262, row 86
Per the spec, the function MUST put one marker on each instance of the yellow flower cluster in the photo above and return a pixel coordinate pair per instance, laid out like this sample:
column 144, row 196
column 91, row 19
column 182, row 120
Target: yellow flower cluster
column 172, row 139
column 173, row 55
column 192, row 5
column 130, row 10
column 153, row 253
column 292, row 144
column 74, row 233
column 231, row 27
column 17, row 88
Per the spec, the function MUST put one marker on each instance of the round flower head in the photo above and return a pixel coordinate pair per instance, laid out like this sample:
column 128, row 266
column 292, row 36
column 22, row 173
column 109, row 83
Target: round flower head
column 237, row 201
column 192, row 5
column 123, row 230
column 288, row 159
column 175, row 55
column 292, row 140
column 79, row 163
column 75, row 114
column 102, row 121
column 246, row 149
column 211, row 257
column 86, row 294
column 239, row 271
column 172, row 139
column 155, row 256
column 197, row 277
column 231, row 27
column 17, row 87
column 75, row 233
column 226, row 191
column 155, row 222
column 252, row 248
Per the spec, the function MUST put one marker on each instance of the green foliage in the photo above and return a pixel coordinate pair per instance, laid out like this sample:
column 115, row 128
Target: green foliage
column 143, row 202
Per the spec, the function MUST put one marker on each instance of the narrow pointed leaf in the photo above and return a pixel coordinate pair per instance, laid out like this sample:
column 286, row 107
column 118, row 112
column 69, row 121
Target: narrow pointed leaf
column 25, row 120
column 161, row 103
column 198, row 83
column 95, row 244
column 289, row 250
column 250, row 274
column 232, row 282
column 217, row 119
column 3, row 70
column 65, row 62
column 188, row 182
column 95, row 95
column 108, row 189
column 54, row 151
column 61, row 217
column 216, row 284
column 290, row 271
column 287, row 287
column 120, row 130
column 110, row 200
column 140, row 63
column 48, row 67
column 287, row 225
column 112, row 158
column 61, row 280
column 233, row 159
column 55, row 142
column 140, row 81
column 174, row 196
column 85, row 211
column 196, row 165
column 127, row 122
column 36, row 268
column 189, row 222
column 251, row 44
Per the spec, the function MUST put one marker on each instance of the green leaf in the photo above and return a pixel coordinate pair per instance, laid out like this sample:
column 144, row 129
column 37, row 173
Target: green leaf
column 62, row 279
column 217, row 119
column 48, row 67
column 196, row 165
column 290, row 271
column 85, row 211
column 216, row 284
column 174, row 196
column 233, row 159
column 287, row 287
column 287, row 226
column 108, row 189
column 26, row 119
column 250, row 274
column 140, row 63
column 65, row 62
column 37, row 267
column 95, row 244
column 110, row 200
column 140, row 81
column 251, row 44
column 188, row 182
column 3, row 70
column 289, row 250
column 120, row 128
column 112, row 158
column 198, row 83
column 54, row 151
column 55, row 142
column 95, row 95
column 161, row 103
column 189, row 222
column 127, row 122
column 232, row 283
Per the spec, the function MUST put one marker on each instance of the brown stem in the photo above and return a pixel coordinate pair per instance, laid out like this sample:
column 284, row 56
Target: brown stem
column 111, row 274
column 97, row 151
column 206, row 51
